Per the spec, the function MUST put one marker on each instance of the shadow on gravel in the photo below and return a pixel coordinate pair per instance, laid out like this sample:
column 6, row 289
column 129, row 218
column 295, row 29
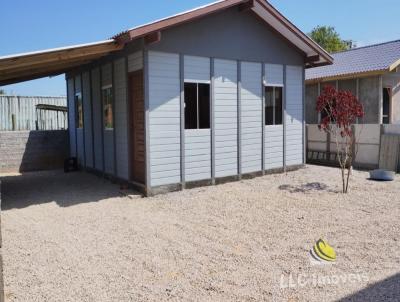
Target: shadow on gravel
column 387, row 290
column 309, row 187
column 54, row 186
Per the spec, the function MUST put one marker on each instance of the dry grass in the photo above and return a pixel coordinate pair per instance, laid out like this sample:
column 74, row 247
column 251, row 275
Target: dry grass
column 74, row 238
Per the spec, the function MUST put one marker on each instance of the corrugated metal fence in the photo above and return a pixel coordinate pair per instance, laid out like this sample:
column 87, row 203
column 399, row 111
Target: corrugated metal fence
column 19, row 113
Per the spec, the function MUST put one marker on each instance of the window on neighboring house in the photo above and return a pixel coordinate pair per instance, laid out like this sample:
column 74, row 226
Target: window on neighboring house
column 108, row 114
column 197, row 106
column 79, row 110
column 386, row 105
column 273, row 105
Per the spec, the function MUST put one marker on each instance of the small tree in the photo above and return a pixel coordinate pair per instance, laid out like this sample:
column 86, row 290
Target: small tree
column 2, row 92
column 329, row 39
column 339, row 111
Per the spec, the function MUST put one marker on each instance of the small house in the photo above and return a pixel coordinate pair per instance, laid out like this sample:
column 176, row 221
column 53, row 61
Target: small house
column 206, row 96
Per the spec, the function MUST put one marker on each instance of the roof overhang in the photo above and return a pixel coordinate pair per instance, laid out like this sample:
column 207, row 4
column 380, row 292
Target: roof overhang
column 33, row 65
column 29, row 66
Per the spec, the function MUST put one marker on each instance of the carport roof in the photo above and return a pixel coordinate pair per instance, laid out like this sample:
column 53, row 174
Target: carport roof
column 28, row 66
column 362, row 61
column 51, row 62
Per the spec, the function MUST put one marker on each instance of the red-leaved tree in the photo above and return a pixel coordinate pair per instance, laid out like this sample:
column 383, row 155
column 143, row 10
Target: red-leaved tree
column 339, row 111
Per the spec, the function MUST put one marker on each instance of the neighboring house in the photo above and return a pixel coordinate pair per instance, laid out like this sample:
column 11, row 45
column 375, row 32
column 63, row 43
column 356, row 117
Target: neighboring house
column 372, row 73
column 209, row 95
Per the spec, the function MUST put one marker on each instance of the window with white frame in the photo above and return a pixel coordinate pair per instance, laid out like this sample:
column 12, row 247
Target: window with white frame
column 107, row 101
column 197, row 105
column 273, row 105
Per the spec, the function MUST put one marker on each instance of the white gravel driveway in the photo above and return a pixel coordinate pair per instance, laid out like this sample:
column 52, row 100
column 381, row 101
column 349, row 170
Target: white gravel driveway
column 75, row 238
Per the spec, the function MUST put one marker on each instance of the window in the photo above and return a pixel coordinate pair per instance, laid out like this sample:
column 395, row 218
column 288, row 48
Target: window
column 386, row 105
column 273, row 105
column 79, row 111
column 197, row 106
column 108, row 114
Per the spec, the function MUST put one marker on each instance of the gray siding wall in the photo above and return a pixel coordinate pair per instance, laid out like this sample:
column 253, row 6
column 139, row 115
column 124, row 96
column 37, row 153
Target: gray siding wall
column 273, row 147
column 164, row 122
column 197, row 141
column 71, row 116
column 87, row 107
column 294, row 115
column 251, row 117
column 97, row 120
column 106, row 79
column 226, row 118
column 273, row 133
column 121, row 118
column 229, row 35
column 79, row 131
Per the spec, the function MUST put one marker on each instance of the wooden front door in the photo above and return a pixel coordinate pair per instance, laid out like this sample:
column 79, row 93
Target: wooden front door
column 137, row 134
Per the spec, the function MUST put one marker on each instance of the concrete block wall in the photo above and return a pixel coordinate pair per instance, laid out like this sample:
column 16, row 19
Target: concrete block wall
column 23, row 151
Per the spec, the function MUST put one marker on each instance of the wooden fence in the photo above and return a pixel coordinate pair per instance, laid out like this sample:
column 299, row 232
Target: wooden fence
column 20, row 113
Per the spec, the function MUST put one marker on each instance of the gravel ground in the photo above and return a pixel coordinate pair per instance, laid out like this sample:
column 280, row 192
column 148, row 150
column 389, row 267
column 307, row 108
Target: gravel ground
column 75, row 238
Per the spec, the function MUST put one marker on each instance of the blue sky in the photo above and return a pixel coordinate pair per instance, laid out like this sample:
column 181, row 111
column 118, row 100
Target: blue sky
column 45, row 24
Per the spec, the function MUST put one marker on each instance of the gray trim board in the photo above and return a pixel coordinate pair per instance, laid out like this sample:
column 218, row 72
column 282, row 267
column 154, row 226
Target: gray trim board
column 263, row 119
column 239, row 118
column 212, row 119
column 284, row 117
column 114, row 120
column 182, row 117
column 146, row 117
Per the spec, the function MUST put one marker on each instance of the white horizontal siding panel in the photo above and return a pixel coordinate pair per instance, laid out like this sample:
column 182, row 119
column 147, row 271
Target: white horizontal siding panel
column 164, row 98
column 274, row 74
column 251, row 116
column 225, row 90
column 294, row 118
column 197, row 154
column 273, row 147
column 197, row 69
